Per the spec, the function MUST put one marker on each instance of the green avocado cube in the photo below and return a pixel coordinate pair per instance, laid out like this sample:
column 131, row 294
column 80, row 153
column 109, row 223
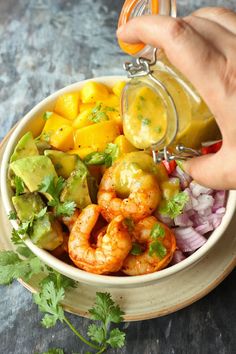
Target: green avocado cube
column 64, row 163
column 32, row 170
column 25, row 147
column 45, row 233
column 27, row 205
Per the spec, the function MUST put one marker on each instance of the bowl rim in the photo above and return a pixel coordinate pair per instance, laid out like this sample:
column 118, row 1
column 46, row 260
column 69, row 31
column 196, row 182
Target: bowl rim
column 70, row 270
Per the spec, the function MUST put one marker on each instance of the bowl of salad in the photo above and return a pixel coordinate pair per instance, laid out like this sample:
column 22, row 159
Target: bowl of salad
column 94, row 207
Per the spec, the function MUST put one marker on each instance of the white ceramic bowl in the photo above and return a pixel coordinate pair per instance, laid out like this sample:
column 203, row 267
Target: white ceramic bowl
column 30, row 122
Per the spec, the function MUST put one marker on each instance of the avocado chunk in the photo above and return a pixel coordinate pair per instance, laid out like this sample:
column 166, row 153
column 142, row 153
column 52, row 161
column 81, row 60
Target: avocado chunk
column 64, row 163
column 27, row 205
column 32, row 170
column 42, row 146
column 25, row 147
column 47, row 233
column 76, row 188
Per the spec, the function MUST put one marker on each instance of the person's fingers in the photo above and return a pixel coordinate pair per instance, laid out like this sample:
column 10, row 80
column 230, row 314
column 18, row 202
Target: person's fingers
column 210, row 171
column 220, row 15
column 214, row 33
column 186, row 49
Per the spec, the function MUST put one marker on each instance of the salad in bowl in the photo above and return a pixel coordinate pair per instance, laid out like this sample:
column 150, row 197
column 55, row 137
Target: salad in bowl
column 93, row 206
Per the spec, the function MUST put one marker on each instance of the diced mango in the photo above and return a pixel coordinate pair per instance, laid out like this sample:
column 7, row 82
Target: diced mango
column 94, row 91
column 81, row 152
column 83, row 119
column 63, row 138
column 67, row 105
column 124, row 145
column 85, row 106
column 53, row 123
column 170, row 188
column 112, row 101
column 118, row 88
column 96, row 136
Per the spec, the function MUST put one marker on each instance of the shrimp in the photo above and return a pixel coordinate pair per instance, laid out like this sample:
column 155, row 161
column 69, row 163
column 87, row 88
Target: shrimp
column 113, row 246
column 143, row 199
column 145, row 262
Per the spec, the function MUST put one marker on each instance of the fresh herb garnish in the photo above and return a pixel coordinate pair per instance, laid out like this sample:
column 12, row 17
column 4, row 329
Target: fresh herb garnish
column 12, row 215
column 174, row 206
column 54, row 186
column 19, row 185
column 157, row 231
column 136, row 249
column 106, row 312
column 47, row 115
column 129, row 223
column 156, row 247
column 106, row 157
column 158, row 129
column 52, row 290
column 142, row 98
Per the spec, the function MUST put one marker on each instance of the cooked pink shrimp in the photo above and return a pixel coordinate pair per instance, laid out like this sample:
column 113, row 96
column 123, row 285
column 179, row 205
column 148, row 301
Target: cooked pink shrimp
column 145, row 262
column 114, row 243
column 142, row 201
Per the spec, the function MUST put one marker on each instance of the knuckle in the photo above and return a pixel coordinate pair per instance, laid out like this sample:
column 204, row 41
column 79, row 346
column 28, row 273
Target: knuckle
column 213, row 11
column 227, row 74
column 177, row 28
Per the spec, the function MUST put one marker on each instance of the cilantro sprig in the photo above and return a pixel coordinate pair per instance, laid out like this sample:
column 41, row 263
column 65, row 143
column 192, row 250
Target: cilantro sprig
column 54, row 186
column 174, row 206
column 106, row 157
column 52, row 291
column 156, row 246
column 19, row 185
column 99, row 113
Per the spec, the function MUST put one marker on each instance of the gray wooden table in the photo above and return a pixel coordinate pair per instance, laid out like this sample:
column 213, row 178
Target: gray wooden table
column 45, row 45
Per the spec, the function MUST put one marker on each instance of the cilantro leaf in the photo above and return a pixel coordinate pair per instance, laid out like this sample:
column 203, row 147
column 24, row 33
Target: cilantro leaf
column 96, row 333
column 116, row 339
column 157, row 231
column 174, row 206
column 12, row 215
column 47, row 115
column 136, row 249
column 19, row 184
column 129, row 223
column 105, row 309
column 158, row 249
column 54, row 187
column 106, row 157
column 48, row 300
column 97, row 115
column 13, row 267
column 54, row 351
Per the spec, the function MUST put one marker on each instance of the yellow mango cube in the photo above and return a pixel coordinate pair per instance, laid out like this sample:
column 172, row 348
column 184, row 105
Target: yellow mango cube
column 85, row 106
column 118, row 88
column 63, row 138
column 83, row 119
column 124, row 145
column 96, row 136
column 82, row 152
column 67, row 105
column 112, row 101
column 53, row 123
column 94, row 91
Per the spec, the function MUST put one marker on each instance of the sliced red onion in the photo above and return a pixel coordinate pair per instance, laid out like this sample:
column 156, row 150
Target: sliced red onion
column 205, row 212
column 188, row 240
column 183, row 220
column 221, row 210
column 165, row 219
column 184, row 178
column 204, row 228
column 197, row 189
column 215, row 219
column 205, row 201
column 178, row 256
column 219, row 200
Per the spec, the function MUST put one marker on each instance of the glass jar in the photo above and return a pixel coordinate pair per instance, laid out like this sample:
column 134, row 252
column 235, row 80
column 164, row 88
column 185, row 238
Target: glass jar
column 160, row 107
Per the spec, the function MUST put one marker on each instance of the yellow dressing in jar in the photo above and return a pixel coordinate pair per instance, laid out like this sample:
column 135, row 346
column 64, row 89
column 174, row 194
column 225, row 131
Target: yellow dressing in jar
column 160, row 107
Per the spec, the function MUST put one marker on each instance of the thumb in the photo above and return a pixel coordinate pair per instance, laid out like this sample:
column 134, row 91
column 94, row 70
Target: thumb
column 209, row 170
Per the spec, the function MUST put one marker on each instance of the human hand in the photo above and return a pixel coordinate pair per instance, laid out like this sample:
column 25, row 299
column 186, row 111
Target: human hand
column 203, row 47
